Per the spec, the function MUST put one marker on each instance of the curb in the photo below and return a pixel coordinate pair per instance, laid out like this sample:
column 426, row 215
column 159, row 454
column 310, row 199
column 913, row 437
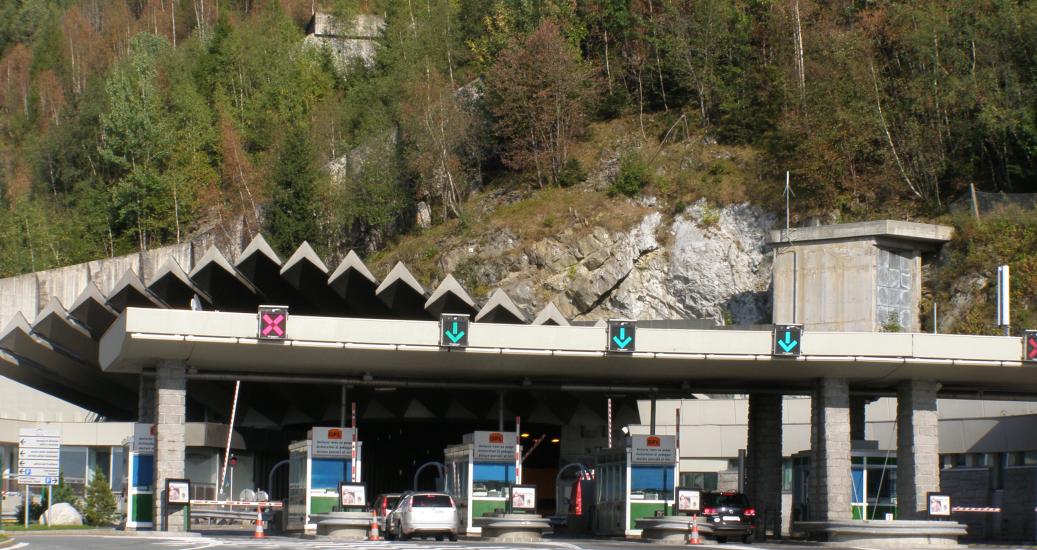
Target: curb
column 106, row 533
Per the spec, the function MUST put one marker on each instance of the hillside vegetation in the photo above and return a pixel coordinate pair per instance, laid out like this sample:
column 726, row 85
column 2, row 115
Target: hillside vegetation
column 128, row 124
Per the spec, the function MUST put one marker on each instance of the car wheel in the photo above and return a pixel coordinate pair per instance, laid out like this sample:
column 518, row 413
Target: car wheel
column 721, row 540
column 439, row 538
column 748, row 539
column 453, row 537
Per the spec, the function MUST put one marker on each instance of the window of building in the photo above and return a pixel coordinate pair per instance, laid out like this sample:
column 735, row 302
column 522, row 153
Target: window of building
column 703, row 481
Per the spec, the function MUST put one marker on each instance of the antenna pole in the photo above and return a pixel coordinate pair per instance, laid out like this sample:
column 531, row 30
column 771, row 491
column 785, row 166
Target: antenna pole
column 788, row 192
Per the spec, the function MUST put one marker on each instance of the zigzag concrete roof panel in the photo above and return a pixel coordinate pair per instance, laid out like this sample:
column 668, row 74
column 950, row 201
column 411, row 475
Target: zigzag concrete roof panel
column 402, row 293
column 54, row 324
column 355, row 284
column 91, row 309
column 174, row 287
column 500, row 309
column 228, row 289
column 129, row 291
column 550, row 316
column 450, row 297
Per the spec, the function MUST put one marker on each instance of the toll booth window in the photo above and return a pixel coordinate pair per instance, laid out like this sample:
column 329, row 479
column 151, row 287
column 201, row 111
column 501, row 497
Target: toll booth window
column 118, row 466
column 143, row 472
column 492, row 479
column 703, row 481
column 881, row 485
column 328, row 472
column 651, row 482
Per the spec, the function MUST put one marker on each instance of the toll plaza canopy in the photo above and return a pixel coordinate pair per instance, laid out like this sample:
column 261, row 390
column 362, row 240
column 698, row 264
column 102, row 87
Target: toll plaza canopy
column 346, row 326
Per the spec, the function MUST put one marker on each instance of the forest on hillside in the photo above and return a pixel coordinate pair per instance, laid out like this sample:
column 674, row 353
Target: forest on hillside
column 129, row 124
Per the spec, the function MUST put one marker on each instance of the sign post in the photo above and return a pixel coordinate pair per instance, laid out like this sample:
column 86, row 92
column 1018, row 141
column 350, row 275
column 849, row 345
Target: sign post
column 39, row 455
column 787, row 340
column 622, row 336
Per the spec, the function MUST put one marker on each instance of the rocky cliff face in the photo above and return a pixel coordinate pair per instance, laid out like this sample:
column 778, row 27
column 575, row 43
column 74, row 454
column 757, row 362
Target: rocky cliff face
column 706, row 263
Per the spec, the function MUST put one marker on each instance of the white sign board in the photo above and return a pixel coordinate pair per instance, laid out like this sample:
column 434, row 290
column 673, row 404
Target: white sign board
column 493, row 446
column 331, row 442
column 39, row 456
column 141, row 442
column 653, row 449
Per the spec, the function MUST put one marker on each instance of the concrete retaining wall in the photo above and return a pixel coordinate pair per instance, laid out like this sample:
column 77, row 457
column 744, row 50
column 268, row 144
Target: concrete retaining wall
column 30, row 293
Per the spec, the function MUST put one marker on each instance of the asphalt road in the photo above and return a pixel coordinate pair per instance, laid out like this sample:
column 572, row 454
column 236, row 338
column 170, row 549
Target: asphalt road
column 111, row 542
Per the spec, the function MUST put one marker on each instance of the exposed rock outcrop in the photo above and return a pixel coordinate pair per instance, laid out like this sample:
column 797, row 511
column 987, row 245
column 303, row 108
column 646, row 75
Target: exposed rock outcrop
column 707, row 263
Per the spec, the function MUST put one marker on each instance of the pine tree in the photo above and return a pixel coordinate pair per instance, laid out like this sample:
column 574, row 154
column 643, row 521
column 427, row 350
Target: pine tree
column 100, row 502
column 292, row 215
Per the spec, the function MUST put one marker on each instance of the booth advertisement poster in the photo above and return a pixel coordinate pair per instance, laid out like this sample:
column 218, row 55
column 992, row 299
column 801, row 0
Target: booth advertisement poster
column 178, row 491
column 939, row 505
column 523, row 498
column 688, row 500
column 352, row 495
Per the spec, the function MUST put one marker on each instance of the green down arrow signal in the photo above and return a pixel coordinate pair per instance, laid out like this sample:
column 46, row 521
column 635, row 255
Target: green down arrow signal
column 788, row 344
column 453, row 334
column 622, row 340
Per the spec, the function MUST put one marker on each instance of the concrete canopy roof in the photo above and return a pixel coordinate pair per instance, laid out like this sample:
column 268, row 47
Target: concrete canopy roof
column 500, row 309
column 922, row 234
column 395, row 352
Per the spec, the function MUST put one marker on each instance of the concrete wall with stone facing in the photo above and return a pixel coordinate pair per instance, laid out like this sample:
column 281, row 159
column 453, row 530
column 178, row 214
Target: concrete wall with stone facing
column 970, row 487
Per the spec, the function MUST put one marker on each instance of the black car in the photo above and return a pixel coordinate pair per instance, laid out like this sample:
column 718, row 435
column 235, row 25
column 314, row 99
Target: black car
column 730, row 515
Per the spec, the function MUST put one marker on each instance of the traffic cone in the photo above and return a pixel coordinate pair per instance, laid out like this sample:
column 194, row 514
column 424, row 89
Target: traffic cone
column 694, row 538
column 259, row 524
column 374, row 526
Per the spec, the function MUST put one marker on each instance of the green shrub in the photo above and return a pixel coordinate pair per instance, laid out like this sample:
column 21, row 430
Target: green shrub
column 100, row 502
column 572, row 173
column 633, row 176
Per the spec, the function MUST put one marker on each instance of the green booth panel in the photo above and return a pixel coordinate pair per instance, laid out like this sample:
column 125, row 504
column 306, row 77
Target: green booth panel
column 322, row 505
column 644, row 510
column 140, row 508
column 484, row 506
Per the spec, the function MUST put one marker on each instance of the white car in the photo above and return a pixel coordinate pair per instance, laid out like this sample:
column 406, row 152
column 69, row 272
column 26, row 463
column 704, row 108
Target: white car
column 423, row 514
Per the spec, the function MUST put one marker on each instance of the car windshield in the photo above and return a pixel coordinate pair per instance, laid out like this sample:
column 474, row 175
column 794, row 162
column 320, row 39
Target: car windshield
column 730, row 499
column 390, row 502
column 432, row 501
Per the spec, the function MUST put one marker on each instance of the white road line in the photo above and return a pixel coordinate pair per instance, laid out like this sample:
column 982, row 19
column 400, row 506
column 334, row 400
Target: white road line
column 19, row 545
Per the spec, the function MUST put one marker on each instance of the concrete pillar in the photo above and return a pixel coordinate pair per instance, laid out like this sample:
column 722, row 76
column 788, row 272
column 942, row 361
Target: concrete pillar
column 764, row 461
column 170, row 443
column 830, row 482
column 857, row 417
column 918, row 447
column 146, row 399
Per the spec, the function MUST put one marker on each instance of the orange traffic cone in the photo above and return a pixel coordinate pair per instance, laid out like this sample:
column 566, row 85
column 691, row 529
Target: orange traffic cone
column 694, row 538
column 259, row 524
column 374, row 526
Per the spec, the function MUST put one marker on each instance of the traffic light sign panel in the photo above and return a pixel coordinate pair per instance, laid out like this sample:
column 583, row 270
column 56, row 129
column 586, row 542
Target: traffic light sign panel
column 788, row 340
column 1030, row 346
column 453, row 330
column 273, row 322
column 622, row 336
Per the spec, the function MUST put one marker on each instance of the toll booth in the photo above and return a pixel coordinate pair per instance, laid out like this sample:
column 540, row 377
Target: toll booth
column 873, row 474
column 316, row 466
column 139, row 477
column 479, row 472
column 635, row 481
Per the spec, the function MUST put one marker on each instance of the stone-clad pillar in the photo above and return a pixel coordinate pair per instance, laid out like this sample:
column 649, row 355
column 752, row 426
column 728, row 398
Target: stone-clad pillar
column 830, row 482
column 764, row 461
column 170, row 442
column 918, row 447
